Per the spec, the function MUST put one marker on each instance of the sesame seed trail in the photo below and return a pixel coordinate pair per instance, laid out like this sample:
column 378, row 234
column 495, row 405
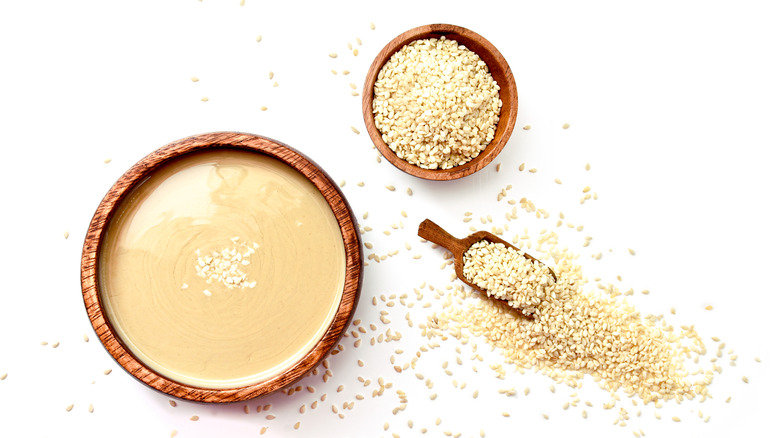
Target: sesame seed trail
column 573, row 332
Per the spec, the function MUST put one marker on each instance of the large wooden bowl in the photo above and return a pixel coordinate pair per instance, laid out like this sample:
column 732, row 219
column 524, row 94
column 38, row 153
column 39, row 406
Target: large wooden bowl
column 90, row 282
column 500, row 71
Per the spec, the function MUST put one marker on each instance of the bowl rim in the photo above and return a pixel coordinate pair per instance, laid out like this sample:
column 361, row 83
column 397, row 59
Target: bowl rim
column 496, row 64
column 138, row 173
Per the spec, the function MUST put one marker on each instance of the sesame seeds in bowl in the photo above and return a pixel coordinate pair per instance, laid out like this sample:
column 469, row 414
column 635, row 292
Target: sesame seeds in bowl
column 439, row 102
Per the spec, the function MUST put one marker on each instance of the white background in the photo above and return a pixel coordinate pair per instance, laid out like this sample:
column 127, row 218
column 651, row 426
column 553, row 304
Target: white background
column 675, row 104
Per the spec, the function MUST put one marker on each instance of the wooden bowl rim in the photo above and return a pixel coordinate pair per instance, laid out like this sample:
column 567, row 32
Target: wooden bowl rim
column 497, row 65
column 140, row 172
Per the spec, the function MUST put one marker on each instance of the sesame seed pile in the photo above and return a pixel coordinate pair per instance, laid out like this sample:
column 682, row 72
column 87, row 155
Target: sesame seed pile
column 224, row 266
column 436, row 104
column 573, row 332
column 507, row 275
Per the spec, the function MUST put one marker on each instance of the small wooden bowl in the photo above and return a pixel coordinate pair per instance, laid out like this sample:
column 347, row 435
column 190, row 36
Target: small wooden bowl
column 500, row 71
column 90, row 282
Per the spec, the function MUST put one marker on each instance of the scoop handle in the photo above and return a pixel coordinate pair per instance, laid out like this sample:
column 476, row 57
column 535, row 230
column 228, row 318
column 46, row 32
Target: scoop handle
column 431, row 232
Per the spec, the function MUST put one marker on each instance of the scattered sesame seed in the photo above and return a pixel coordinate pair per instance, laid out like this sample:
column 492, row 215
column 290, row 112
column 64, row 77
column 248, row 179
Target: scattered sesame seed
column 355, row 130
column 334, row 55
column 565, row 126
column 69, row 407
column 66, row 234
column 259, row 38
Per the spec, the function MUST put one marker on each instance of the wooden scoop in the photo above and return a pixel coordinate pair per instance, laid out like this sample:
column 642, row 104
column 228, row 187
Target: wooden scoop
column 436, row 234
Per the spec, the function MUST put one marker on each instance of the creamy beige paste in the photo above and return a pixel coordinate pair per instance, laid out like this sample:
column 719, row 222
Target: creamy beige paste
column 243, row 213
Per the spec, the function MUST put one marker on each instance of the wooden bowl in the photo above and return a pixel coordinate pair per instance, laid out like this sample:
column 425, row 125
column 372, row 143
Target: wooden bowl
column 91, row 281
column 500, row 71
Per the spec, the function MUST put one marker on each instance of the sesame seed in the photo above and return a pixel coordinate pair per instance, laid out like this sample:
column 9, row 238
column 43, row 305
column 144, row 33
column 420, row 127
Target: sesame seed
column 355, row 130
column 259, row 38
column 334, row 55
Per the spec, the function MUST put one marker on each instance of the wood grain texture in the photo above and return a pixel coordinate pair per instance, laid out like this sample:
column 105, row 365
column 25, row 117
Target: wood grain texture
column 499, row 69
column 90, row 283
